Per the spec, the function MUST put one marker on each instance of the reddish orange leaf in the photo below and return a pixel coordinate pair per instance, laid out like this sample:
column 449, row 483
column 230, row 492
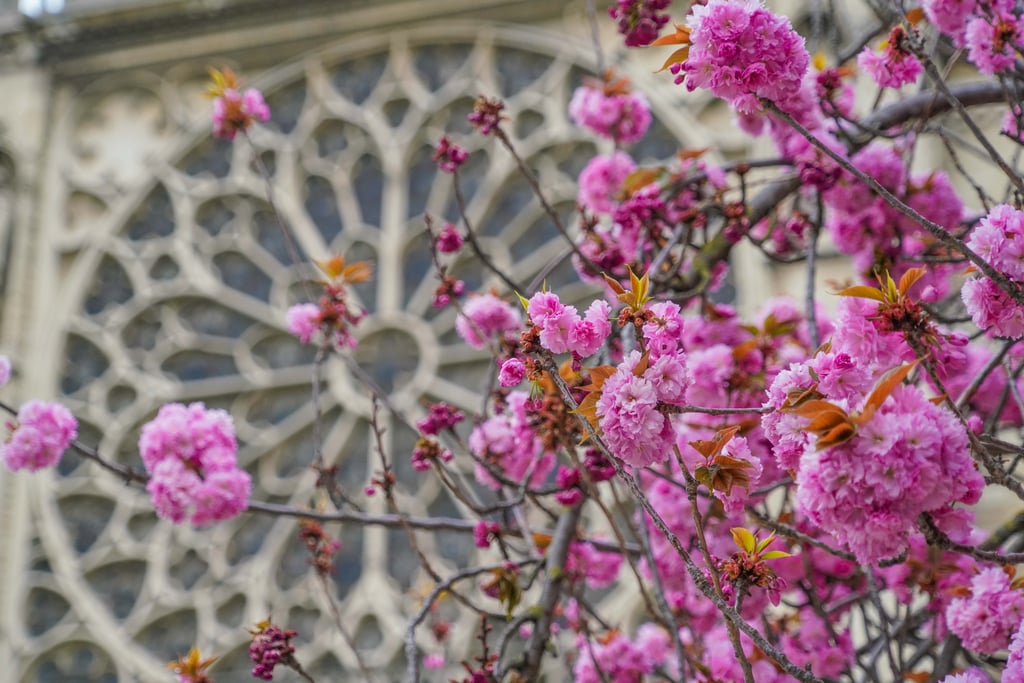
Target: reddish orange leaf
column 685, row 154
column 677, row 57
column 598, row 375
column 642, row 177
column 359, row 271
column 798, row 396
column 841, row 433
column 588, row 408
column 641, row 365
column 711, row 447
column 681, row 36
column 723, row 473
column 909, row 278
column 827, row 420
column 890, row 380
column 332, row 267
column 614, row 284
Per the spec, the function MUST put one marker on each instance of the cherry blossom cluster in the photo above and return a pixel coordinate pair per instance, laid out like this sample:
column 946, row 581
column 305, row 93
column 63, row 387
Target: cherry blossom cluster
column 877, row 236
column 867, row 490
column 999, row 239
column 485, row 319
column 611, row 110
column 893, row 65
column 561, row 329
column 507, row 446
column 993, row 612
column 271, row 645
column 335, row 315
column 38, row 436
column 743, row 53
column 191, row 455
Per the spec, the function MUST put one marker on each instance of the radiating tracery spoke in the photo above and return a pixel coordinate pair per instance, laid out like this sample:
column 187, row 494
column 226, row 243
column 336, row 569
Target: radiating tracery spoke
column 187, row 304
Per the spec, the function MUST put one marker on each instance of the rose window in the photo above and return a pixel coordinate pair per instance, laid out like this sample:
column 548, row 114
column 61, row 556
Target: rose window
column 174, row 289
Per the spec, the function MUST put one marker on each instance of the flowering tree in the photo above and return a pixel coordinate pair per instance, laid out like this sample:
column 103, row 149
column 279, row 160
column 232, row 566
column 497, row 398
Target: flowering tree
column 789, row 496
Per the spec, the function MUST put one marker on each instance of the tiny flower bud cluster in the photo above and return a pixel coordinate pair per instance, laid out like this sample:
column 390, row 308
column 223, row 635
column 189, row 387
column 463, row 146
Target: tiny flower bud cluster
column 639, row 20
column 448, row 156
column 271, row 645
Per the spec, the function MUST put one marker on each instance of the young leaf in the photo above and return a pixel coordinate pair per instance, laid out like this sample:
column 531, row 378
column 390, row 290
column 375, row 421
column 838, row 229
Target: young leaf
column 909, row 279
column 677, row 57
column 588, row 408
column 614, row 285
column 775, row 554
column 743, row 539
column 863, row 292
column 641, row 365
column 711, row 447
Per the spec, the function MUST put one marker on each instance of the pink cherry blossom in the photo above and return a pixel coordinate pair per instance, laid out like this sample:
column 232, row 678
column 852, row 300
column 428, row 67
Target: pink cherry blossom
column 39, row 437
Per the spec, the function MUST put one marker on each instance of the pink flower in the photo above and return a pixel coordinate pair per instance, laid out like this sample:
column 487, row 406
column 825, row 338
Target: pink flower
column 433, row 661
column 449, row 240
column 634, row 429
column 587, row 335
column 303, row 321
column 1011, row 123
column 569, row 482
column 598, row 569
column 950, row 16
column 484, row 532
column 601, row 180
column 5, row 370
column 992, row 309
column 191, row 455
column 992, row 41
column 508, row 444
column 557, row 322
column 512, row 372
column 999, row 239
column 986, row 620
column 1014, row 671
column 486, row 116
column 619, row 116
column 485, row 317
column 972, row 675
column 234, row 111
column 41, row 434
column 893, row 65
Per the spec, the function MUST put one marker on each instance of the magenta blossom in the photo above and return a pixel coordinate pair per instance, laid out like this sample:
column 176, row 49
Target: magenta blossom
column 39, row 437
